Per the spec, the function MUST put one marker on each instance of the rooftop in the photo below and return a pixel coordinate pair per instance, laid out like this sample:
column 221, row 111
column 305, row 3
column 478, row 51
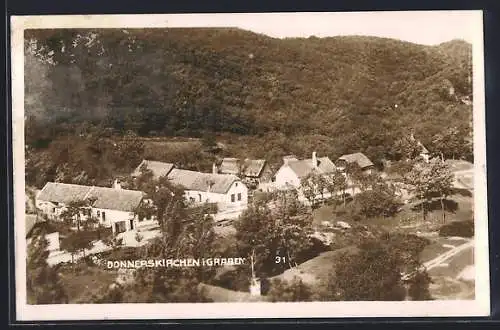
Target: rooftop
column 159, row 169
column 198, row 181
column 247, row 167
column 358, row 158
column 105, row 198
column 304, row 167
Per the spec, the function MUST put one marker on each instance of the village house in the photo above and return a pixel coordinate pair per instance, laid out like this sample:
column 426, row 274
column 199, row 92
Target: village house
column 253, row 172
column 364, row 163
column 227, row 191
column 423, row 152
column 293, row 171
column 112, row 207
column 158, row 169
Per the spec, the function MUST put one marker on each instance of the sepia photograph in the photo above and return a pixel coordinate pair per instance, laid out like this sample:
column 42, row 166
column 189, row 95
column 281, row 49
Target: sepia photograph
column 273, row 165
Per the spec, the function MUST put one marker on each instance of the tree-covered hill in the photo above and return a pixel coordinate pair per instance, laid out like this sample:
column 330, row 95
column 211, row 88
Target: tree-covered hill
column 336, row 94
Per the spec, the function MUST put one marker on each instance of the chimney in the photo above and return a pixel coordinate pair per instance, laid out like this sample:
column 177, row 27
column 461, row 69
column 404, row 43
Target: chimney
column 214, row 168
column 314, row 159
column 117, row 184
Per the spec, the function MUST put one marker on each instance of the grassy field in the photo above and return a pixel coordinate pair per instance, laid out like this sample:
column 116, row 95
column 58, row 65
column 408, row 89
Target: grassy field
column 82, row 286
column 408, row 220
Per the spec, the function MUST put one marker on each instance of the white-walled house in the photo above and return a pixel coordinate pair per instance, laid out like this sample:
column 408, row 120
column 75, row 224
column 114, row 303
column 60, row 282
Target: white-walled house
column 112, row 207
column 293, row 170
column 226, row 190
column 254, row 172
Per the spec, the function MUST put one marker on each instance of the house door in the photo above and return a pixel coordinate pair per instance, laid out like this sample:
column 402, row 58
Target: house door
column 131, row 224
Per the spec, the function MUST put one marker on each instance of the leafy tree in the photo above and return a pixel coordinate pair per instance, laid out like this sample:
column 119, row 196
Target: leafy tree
column 379, row 201
column 259, row 231
column 374, row 274
column 174, row 284
column 452, row 143
column 337, row 183
column 43, row 283
column 77, row 242
column 295, row 290
column 129, row 150
column 167, row 201
column 355, row 175
column 312, row 186
column 419, row 286
column 405, row 148
column 431, row 180
column 77, row 209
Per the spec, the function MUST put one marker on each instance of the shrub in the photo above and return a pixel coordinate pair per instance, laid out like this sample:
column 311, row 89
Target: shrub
column 458, row 228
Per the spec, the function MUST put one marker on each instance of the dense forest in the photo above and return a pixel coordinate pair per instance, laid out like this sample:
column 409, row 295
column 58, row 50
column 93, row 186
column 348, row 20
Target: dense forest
column 270, row 96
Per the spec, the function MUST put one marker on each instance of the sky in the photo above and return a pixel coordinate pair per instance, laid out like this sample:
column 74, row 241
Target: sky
column 423, row 27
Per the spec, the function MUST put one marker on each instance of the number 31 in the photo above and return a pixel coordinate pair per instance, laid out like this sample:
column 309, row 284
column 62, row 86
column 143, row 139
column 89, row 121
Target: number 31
column 279, row 259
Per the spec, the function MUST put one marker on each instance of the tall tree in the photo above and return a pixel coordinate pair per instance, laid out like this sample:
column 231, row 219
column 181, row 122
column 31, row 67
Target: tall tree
column 429, row 181
column 336, row 183
column 278, row 243
column 76, row 210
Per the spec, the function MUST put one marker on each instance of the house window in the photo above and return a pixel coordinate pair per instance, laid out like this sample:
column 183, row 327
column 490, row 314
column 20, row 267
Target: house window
column 239, row 196
column 232, row 198
column 53, row 210
column 199, row 196
column 236, row 184
column 103, row 216
column 98, row 213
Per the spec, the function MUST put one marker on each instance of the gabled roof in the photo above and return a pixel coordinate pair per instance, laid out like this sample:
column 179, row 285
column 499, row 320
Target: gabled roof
column 159, row 169
column 248, row 167
column 304, row 167
column 198, row 181
column 63, row 192
column 358, row 158
column 424, row 149
column 116, row 199
column 105, row 198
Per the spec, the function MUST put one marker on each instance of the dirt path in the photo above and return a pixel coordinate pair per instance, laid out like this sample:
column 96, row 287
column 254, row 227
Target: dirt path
column 436, row 262
column 443, row 257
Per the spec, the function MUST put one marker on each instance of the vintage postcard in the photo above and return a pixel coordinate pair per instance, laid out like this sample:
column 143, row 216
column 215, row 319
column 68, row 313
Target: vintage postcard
column 221, row 166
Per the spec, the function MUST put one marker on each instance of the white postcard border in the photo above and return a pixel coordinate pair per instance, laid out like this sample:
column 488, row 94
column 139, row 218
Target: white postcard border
column 478, row 307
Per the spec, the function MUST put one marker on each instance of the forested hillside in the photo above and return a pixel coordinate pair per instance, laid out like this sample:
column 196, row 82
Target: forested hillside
column 335, row 95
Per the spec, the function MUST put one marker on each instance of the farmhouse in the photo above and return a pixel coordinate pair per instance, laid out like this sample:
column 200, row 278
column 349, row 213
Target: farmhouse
column 112, row 207
column 293, row 170
column 252, row 171
column 226, row 190
column 159, row 169
column 358, row 158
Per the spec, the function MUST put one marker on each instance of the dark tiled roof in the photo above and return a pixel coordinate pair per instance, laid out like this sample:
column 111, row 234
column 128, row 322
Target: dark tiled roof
column 304, row 167
column 197, row 181
column 159, row 169
column 358, row 158
column 106, row 198
column 249, row 167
